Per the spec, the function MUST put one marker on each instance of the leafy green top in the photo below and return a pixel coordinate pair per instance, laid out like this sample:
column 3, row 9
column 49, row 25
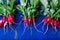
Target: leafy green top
column 52, row 8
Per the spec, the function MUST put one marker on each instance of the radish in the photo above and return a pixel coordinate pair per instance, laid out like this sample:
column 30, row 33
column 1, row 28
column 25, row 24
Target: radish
column 32, row 19
column 1, row 22
column 58, row 23
column 55, row 23
column 28, row 20
column 46, row 19
column 51, row 21
column 25, row 20
column 4, row 19
column 10, row 18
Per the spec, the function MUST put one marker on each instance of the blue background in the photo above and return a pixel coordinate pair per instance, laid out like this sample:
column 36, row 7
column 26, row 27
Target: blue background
column 9, row 34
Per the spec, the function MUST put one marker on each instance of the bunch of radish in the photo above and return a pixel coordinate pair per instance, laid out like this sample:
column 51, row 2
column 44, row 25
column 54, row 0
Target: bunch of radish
column 7, row 10
column 8, row 20
column 28, row 9
column 52, row 13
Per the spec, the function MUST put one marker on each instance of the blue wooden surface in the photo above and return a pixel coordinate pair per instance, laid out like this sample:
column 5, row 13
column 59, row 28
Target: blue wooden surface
column 9, row 34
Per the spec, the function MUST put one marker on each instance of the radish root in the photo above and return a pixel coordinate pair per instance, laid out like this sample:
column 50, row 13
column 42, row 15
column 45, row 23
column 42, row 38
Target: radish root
column 14, row 31
column 24, row 30
column 46, row 30
column 36, row 28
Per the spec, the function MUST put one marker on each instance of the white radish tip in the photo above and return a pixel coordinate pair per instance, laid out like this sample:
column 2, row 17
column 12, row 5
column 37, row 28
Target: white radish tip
column 5, row 24
column 0, row 21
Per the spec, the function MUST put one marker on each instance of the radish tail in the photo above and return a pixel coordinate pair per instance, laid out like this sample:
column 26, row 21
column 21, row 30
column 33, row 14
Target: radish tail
column 15, row 37
column 30, row 31
column 39, row 23
column 15, row 34
column 36, row 28
column 46, row 30
column 5, row 24
column 24, row 30
column 55, row 29
column 19, row 24
column 43, row 26
column 15, row 23
column 11, row 27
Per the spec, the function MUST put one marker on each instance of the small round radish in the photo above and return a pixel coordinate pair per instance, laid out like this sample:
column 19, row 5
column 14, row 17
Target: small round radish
column 10, row 18
column 55, row 23
column 22, row 19
column 29, row 20
column 44, row 20
column 6, row 22
column 58, row 23
column 51, row 21
column 4, row 18
column 1, row 22
column 32, row 19
column 48, row 19
column 25, row 20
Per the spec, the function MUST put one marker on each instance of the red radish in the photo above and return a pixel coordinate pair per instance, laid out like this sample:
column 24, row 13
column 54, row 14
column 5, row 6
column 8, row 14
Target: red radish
column 10, row 18
column 48, row 19
column 25, row 20
column 32, row 19
column 55, row 23
column 44, row 20
column 58, row 23
column 28, row 20
column 51, row 21
column 1, row 22
column 6, row 22
column 4, row 18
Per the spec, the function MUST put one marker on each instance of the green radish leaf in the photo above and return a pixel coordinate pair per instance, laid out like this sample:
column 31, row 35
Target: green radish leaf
column 44, row 2
column 12, row 3
column 1, row 1
column 36, row 3
column 55, row 2
column 58, row 12
column 20, row 8
column 23, row 2
column 32, row 2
